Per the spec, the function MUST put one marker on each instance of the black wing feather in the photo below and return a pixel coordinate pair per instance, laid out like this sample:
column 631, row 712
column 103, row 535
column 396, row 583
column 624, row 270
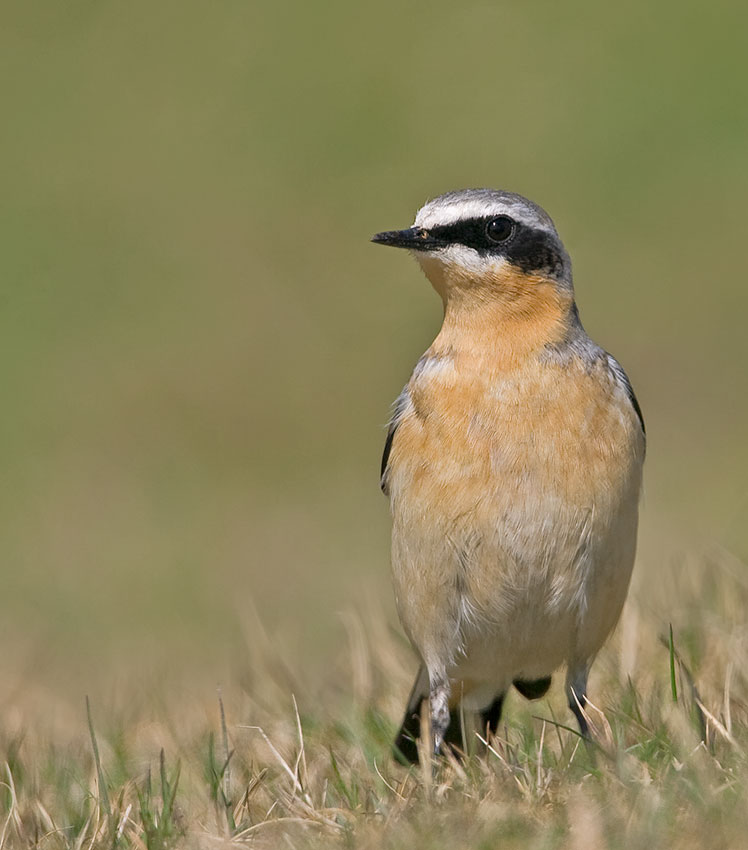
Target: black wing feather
column 397, row 412
column 623, row 378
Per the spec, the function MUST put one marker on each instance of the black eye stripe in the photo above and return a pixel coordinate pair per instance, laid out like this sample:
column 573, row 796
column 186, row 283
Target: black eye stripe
column 470, row 232
column 528, row 248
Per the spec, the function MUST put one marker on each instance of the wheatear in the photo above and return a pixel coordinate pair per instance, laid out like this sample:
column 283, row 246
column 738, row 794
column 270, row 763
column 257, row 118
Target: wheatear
column 513, row 466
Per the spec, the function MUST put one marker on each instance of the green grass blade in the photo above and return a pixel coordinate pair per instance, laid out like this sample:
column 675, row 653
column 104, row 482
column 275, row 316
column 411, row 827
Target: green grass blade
column 673, row 683
column 103, row 794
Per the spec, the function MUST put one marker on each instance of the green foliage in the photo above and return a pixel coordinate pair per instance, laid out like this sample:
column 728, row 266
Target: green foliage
column 157, row 813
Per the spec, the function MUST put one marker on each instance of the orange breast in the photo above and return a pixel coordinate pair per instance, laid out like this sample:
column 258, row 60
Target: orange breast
column 537, row 428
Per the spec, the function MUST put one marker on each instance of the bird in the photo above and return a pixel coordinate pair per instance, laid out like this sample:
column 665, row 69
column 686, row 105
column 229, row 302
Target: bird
column 513, row 468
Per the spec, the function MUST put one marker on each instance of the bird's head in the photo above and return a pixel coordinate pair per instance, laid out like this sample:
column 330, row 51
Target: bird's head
column 484, row 246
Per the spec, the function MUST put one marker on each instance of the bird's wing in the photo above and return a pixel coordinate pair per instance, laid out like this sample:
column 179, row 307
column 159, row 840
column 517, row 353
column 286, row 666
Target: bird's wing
column 623, row 379
column 397, row 411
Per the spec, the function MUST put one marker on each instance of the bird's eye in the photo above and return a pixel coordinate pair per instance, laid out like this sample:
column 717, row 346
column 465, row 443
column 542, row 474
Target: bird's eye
column 499, row 229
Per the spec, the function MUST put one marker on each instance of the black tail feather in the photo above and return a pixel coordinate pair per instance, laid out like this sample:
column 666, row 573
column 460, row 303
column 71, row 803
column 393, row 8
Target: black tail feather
column 491, row 716
column 533, row 688
column 405, row 748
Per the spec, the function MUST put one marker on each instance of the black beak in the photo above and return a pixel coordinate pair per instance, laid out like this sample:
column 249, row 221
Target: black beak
column 414, row 238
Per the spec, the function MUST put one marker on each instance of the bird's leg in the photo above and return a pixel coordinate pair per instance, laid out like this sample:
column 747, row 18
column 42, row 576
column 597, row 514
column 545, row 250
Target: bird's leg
column 439, row 705
column 576, row 692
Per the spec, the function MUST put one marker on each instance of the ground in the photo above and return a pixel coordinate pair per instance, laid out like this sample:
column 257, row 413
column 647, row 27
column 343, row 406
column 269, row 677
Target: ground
column 279, row 758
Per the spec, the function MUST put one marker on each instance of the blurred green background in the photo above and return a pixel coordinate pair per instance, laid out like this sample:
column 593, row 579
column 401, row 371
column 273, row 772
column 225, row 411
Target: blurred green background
column 199, row 346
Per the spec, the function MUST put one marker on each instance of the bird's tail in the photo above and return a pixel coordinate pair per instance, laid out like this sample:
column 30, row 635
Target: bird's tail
column 405, row 748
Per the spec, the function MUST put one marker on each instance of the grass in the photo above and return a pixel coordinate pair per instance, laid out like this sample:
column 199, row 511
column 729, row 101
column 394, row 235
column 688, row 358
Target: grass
column 199, row 351
column 289, row 761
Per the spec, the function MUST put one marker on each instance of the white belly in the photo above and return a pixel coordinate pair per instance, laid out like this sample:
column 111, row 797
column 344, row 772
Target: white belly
column 530, row 596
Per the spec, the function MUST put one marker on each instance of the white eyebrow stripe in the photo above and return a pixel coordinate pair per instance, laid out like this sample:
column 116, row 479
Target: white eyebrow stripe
column 435, row 213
